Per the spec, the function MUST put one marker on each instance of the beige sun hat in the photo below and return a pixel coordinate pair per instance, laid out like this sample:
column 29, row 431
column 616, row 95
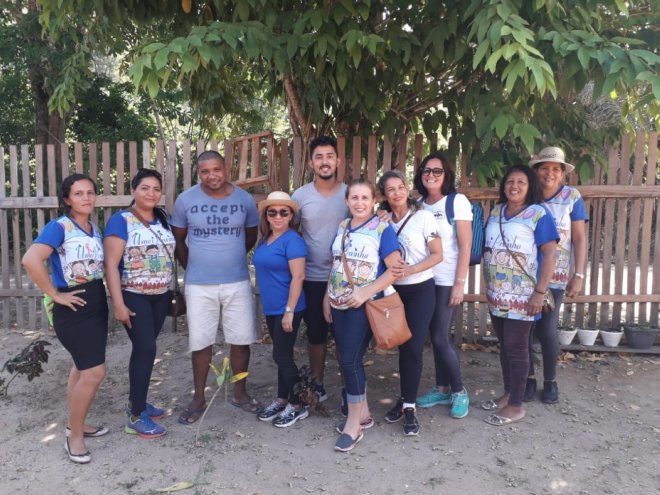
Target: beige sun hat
column 279, row 198
column 552, row 154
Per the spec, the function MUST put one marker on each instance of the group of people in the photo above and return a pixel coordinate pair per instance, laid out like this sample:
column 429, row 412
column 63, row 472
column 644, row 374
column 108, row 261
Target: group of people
column 320, row 255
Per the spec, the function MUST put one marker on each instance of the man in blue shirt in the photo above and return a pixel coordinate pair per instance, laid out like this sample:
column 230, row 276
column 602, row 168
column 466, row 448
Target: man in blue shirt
column 219, row 221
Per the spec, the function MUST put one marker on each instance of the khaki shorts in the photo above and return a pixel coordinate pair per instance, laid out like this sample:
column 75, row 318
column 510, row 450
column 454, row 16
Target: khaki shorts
column 205, row 304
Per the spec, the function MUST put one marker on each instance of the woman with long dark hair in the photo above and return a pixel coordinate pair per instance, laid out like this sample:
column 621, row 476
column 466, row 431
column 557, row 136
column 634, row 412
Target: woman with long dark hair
column 434, row 181
column 522, row 238
column 73, row 245
column 139, row 257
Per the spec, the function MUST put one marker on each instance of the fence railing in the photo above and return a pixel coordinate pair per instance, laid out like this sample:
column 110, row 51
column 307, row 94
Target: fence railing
column 623, row 272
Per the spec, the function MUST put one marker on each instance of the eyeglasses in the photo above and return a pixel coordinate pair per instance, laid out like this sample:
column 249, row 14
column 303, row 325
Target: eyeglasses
column 437, row 172
column 273, row 213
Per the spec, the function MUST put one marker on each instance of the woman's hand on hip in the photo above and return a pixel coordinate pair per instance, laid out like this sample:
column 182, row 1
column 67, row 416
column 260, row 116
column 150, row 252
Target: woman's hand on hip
column 70, row 299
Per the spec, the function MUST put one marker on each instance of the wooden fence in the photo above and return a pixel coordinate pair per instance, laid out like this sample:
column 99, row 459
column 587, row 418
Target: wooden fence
column 622, row 276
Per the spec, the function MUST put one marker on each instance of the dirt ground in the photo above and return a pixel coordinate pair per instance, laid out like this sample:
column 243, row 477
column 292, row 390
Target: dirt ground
column 602, row 437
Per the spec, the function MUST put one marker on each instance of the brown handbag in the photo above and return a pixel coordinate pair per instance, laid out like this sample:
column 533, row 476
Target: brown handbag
column 178, row 301
column 386, row 315
column 548, row 297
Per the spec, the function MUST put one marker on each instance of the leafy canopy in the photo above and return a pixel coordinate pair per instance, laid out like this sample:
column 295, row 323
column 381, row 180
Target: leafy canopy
column 497, row 78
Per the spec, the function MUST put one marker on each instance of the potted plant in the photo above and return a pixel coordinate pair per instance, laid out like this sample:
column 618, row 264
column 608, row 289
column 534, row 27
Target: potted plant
column 587, row 336
column 611, row 336
column 566, row 335
column 640, row 336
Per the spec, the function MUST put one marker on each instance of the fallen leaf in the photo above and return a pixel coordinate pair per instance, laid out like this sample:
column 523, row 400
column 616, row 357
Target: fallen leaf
column 181, row 485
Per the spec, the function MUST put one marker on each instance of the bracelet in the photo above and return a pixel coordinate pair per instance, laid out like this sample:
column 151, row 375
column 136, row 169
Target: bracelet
column 579, row 275
column 461, row 280
column 539, row 292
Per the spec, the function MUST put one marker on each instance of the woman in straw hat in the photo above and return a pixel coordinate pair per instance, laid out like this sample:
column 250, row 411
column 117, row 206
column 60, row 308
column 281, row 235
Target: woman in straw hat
column 279, row 261
column 569, row 212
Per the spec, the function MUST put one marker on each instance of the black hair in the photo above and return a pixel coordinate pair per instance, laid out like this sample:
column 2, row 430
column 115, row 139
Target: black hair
column 65, row 190
column 361, row 181
column 394, row 174
column 142, row 174
column 322, row 141
column 209, row 155
column 448, row 185
column 534, row 194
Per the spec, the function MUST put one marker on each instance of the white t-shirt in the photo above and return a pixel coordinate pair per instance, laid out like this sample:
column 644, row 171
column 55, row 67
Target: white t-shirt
column 414, row 238
column 444, row 273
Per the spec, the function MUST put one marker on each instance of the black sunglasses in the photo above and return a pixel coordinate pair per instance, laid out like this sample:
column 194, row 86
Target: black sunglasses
column 437, row 172
column 273, row 213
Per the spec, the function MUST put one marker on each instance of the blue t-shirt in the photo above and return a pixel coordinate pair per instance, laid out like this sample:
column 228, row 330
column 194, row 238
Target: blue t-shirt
column 508, row 288
column 271, row 263
column 365, row 248
column 145, row 266
column 78, row 256
column 566, row 206
column 216, row 234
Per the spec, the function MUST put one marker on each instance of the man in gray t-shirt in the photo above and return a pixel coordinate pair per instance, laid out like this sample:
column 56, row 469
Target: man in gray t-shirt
column 215, row 225
column 322, row 206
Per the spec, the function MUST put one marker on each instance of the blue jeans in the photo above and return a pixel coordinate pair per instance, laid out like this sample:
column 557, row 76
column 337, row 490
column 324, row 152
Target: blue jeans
column 352, row 336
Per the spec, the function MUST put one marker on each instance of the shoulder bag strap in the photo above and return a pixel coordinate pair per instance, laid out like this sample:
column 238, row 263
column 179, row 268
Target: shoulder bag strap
column 349, row 277
column 147, row 226
column 509, row 251
column 411, row 213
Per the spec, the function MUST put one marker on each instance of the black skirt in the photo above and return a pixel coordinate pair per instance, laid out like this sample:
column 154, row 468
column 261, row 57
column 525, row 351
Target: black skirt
column 84, row 332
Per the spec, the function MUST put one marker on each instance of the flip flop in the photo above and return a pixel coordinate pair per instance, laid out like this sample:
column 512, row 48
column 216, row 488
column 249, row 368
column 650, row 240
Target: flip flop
column 490, row 405
column 191, row 415
column 250, row 405
column 497, row 420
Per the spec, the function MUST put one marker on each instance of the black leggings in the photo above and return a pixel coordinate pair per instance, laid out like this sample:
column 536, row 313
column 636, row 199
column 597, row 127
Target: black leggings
column 419, row 302
column 283, row 342
column 546, row 331
column 317, row 328
column 513, row 336
column 445, row 355
column 150, row 312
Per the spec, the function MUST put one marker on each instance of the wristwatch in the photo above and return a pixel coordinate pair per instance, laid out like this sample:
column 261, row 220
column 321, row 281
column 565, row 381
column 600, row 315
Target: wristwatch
column 288, row 310
column 579, row 275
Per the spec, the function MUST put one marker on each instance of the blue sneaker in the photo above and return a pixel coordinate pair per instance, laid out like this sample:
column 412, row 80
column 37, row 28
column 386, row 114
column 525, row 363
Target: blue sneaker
column 460, row 403
column 144, row 427
column 434, row 397
column 152, row 411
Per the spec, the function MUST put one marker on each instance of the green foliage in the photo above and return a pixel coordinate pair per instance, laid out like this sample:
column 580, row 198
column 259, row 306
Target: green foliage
column 105, row 111
column 28, row 362
column 493, row 76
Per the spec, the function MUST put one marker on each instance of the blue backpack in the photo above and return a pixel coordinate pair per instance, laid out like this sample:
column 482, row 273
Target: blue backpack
column 478, row 238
